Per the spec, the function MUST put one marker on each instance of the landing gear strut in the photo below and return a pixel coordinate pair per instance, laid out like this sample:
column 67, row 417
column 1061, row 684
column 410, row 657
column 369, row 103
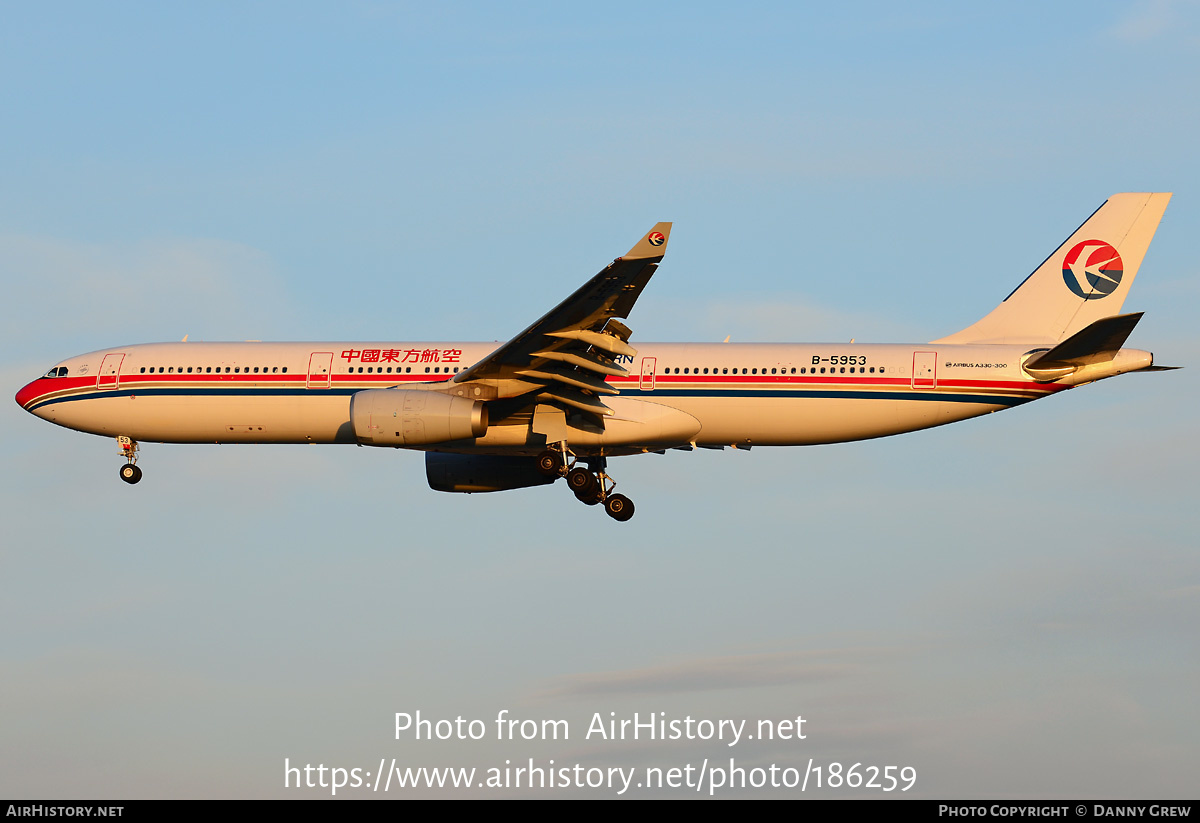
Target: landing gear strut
column 130, row 472
column 590, row 485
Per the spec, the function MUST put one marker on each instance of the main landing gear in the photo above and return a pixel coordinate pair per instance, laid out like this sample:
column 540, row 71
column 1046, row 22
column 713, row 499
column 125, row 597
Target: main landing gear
column 130, row 472
column 590, row 485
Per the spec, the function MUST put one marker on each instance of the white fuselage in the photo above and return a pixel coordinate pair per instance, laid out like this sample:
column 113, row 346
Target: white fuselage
column 740, row 394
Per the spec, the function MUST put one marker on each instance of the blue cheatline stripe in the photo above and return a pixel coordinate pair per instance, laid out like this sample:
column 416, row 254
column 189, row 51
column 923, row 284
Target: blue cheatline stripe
column 840, row 394
column 849, row 394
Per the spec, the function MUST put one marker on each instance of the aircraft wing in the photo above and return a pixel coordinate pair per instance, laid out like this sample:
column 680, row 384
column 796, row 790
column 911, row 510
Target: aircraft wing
column 565, row 356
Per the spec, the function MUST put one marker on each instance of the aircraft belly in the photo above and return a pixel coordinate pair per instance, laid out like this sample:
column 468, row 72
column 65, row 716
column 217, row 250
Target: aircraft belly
column 812, row 421
column 209, row 419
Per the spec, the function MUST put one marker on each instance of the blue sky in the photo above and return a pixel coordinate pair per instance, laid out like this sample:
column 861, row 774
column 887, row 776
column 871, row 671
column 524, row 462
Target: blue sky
column 1007, row 605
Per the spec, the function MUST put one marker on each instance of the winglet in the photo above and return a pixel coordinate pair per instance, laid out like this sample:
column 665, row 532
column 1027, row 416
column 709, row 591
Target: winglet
column 654, row 244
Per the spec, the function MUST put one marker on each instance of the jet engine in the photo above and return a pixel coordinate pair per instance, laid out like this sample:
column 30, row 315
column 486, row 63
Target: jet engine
column 482, row 472
column 399, row 417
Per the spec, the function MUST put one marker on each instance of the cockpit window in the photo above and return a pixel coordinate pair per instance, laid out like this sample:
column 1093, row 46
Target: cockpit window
column 57, row 371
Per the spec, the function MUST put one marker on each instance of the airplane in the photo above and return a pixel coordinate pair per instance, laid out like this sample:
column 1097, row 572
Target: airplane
column 570, row 391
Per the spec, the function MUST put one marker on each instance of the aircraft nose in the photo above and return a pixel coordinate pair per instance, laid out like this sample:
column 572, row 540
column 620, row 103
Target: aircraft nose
column 28, row 393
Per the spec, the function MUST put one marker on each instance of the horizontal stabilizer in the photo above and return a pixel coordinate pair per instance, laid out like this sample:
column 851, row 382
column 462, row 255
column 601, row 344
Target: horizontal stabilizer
column 1094, row 344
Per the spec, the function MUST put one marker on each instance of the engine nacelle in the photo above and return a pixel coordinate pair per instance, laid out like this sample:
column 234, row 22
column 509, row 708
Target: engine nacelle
column 400, row 417
column 481, row 472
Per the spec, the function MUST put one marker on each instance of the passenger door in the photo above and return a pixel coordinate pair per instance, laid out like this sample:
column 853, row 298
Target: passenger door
column 109, row 376
column 648, row 366
column 924, row 374
column 320, row 364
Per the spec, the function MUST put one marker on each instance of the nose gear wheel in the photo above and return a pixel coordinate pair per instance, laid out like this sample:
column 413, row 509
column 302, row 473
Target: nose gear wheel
column 130, row 472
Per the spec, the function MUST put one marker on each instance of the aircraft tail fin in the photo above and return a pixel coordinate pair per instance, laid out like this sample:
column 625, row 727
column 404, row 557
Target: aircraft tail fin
column 1085, row 280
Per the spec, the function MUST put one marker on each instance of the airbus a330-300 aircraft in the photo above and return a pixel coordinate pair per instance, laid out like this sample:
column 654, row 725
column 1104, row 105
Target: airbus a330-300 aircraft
column 571, row 391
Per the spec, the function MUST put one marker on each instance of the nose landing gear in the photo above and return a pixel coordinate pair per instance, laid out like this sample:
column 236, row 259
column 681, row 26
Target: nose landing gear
column 130, row 472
